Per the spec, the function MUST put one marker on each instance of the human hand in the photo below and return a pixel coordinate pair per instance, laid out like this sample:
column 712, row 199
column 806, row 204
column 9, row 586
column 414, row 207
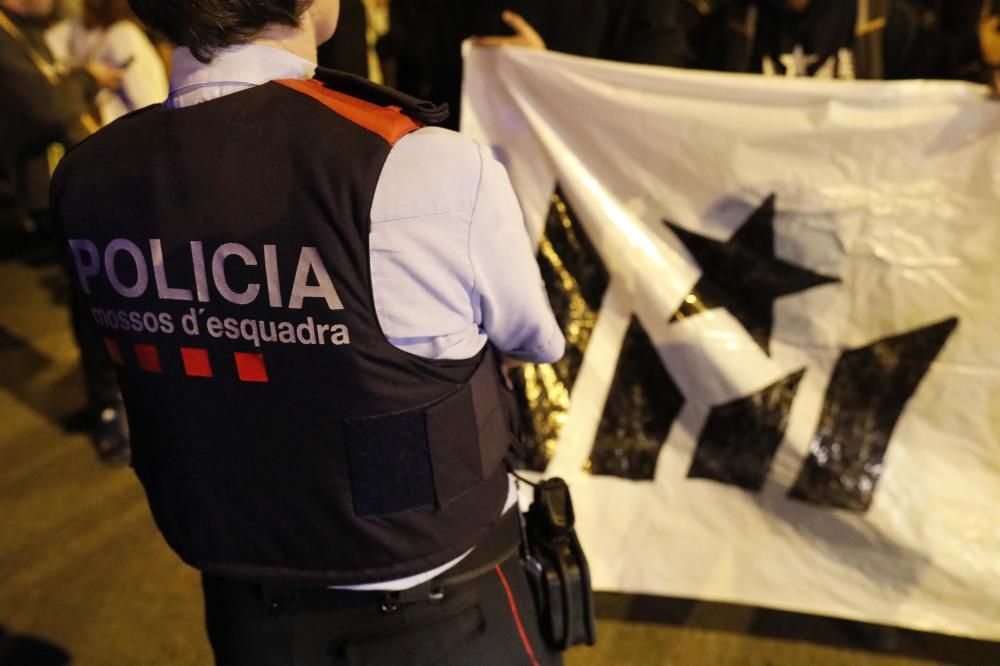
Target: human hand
column 106, row 76
column 989, row 37
column 524, row 35
column 506, row 365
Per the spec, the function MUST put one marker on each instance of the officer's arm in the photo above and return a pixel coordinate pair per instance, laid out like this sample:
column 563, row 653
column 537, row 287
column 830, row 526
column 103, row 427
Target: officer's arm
column 515, row 310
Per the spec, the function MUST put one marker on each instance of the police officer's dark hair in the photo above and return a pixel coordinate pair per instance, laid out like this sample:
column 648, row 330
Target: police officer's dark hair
column 204, row 26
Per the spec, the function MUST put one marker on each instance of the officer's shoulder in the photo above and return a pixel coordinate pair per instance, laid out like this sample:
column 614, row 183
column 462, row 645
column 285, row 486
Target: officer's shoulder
column 380, row 110
column 429, row 172
column 442, row 147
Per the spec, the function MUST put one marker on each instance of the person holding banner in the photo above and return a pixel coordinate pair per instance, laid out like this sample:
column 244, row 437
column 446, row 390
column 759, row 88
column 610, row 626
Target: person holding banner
column 313, row 298
column 425, row 38
column 638, row 31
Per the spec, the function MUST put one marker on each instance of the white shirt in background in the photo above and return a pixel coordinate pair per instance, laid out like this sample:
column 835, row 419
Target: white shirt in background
column 122, row 44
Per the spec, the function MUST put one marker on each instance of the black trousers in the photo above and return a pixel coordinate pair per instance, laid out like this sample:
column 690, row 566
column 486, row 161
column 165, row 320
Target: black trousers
column 99, row 374
column 488, row 620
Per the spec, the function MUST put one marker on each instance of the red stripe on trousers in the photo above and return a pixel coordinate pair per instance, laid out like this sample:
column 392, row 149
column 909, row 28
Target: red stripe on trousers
column 517, row 617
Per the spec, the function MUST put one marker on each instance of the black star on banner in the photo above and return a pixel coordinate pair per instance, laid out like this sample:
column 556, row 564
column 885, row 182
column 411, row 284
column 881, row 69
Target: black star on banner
column 741, row 437
column 868, row 393
column 642, row 405
column 576, row 280
column 743, row 275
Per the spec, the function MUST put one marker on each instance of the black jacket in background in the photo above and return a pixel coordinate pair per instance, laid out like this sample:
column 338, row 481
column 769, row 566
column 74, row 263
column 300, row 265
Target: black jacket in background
column 347, row 50
column 914, row 47
column 426, row 36
column 638, row 31
column 957, row 23
column 34, row 112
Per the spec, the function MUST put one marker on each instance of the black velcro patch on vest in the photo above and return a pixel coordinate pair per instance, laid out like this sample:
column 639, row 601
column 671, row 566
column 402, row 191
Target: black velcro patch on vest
column 390, row 464
column 454, row 445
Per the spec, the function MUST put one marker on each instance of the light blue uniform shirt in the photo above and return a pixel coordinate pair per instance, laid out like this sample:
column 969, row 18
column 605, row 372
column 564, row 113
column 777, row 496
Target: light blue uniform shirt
column 451, row 262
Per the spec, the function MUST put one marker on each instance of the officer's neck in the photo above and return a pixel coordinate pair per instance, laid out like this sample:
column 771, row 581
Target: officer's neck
column 301, row 40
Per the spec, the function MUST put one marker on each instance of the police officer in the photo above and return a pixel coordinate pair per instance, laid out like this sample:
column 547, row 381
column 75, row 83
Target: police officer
column 311, row 296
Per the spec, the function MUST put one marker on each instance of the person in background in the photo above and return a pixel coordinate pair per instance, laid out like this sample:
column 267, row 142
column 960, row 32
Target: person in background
column 835, row 39
column 107, row 33
column 956, row 21
column 352, row 48
column 409, row 48
column 638, row 31
column 696, row 19
column 425, row 36
column 44, row 105
column 956, row 24
column 347, row 50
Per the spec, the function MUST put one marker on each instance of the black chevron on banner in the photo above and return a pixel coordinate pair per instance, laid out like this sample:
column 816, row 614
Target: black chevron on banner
column 868, row 392
column 741, row 437
column 642, row 404
column 576, row 280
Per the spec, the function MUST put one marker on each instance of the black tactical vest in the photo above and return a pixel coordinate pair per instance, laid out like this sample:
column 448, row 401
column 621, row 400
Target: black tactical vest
column 224, row 251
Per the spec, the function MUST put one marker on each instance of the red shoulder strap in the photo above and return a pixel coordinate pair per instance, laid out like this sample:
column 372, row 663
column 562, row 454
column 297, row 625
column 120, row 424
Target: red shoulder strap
column 386, row 121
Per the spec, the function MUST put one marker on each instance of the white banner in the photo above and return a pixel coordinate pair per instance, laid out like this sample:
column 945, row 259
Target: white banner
column 782, row 300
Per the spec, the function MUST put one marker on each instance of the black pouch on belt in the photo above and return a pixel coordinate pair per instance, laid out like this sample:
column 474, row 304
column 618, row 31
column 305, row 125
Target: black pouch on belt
column 557, row 568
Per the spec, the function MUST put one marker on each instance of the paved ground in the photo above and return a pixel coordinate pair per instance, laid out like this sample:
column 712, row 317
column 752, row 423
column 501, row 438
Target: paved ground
column 84, row 572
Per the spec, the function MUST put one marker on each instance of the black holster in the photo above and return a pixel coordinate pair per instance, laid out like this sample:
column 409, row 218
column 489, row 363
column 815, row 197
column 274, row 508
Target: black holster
column 557, row 568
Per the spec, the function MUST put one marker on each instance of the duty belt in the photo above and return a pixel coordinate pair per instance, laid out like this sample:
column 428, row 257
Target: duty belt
column 501, row 543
